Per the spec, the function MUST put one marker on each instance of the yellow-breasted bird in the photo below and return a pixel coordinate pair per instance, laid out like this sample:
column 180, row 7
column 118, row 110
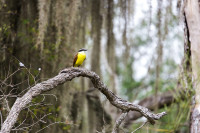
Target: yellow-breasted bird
column 79, row 57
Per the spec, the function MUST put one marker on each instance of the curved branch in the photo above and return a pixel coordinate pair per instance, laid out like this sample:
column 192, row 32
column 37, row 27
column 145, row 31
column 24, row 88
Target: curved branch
column 67, row 75
column 166, row 98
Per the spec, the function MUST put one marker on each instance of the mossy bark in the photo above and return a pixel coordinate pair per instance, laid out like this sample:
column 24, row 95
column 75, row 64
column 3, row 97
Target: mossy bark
column 47, row 34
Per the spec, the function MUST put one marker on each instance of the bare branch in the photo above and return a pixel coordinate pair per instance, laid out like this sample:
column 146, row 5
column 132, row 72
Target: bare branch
column 67, row 75
column 164, row 99
column 119, row 121
column 50, row 125
column 139, row 127
column 25, row 128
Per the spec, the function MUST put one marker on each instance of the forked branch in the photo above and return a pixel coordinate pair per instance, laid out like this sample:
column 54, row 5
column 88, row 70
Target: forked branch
column 67, row 75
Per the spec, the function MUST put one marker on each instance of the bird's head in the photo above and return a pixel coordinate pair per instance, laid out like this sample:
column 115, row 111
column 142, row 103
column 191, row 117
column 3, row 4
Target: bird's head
column 82, row 50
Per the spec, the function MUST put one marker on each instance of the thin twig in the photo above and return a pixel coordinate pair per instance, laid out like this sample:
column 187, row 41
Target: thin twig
column 30, row 126
column 119, row 121
column 140, row 126
column 49, row 126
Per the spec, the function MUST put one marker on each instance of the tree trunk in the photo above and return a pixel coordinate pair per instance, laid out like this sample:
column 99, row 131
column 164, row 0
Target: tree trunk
column 159, row 52
column 95, row 121
column 47, row 34
column 192, row 13
column 111, row 44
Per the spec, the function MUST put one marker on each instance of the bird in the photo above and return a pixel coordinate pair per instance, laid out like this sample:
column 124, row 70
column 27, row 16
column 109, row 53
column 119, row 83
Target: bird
column 79, row 57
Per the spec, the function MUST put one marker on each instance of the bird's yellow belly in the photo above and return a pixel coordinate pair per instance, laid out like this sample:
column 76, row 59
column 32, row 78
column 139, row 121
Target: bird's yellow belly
column 80, row 59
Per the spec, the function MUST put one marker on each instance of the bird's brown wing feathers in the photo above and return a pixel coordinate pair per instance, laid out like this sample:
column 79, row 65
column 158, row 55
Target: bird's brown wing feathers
column 75, row 58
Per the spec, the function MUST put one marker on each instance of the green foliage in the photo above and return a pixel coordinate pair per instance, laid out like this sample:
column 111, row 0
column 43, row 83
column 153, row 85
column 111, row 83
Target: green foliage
column 66, row 127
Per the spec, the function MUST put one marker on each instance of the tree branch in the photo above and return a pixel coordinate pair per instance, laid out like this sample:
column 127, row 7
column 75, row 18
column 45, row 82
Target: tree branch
column 166, row 98
column 119, row 121
column 67, row 75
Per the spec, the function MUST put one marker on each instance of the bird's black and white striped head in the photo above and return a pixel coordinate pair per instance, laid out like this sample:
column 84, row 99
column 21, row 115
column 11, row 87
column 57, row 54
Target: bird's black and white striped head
column 82, row 49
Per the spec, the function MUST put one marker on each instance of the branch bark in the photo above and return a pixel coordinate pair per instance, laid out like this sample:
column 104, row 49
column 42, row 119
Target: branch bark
column 165, row 99
column 67, row 75
column 150, row 103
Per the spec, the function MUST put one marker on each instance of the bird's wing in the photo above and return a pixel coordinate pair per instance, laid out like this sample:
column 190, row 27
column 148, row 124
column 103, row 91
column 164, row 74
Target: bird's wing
column 75, row 58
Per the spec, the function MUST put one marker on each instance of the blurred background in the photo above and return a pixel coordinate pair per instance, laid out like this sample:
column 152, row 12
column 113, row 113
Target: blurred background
column 135, row 46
